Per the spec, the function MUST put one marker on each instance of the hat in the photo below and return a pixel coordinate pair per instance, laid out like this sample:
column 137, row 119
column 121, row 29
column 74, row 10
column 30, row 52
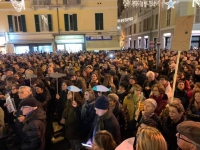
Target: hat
column 112, row 72
column 41, row 85
column 191, row 130
column 102, row 103
column 31, row 101
column 8, row 69
column 133, row 77
column 152, row 101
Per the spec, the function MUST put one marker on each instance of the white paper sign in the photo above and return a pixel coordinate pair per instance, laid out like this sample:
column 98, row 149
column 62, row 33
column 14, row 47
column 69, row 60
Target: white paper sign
column 10, row 104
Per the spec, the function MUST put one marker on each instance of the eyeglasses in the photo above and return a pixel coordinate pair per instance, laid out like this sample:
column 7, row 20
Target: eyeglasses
column 180, row 137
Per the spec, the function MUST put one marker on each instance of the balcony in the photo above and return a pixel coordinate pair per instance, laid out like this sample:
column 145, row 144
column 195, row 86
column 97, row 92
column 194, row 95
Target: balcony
column 54, row 3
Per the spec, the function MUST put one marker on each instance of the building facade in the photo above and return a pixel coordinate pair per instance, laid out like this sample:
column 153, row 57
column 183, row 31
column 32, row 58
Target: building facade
column 139, row 26
column 50, row 25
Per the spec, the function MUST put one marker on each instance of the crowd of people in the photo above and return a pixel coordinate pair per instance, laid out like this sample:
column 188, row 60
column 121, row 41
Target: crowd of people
column 139, row 102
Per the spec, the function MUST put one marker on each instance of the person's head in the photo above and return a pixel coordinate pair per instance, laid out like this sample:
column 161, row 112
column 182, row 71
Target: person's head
column 140, row 66
column 24, row 92
column 108, row 80
column 72, row 76
column 89, row 95
column 163, row 80
column 50, row 70
column 103, row 140
column 8, row 72
column 122, row 70
column 196, row 86
column 181, row 85
column 77, row 97
column 150, row 139
column 196, row 97
column 158, row 89
column 188, row 135
column 65, row 84
column 113, row 99
column 101, row 105
column 176, row 111
column 89, row 69
column 94, row 76
column 15, row 88
column 132, row 80
column 150, row 75
column 150, row 105
column 51, row 65
column 28, row 105
column 40, row 87
column 197, row 70
column 137, row 90
column 148, row 122
column 10, row 81
column 123, row 86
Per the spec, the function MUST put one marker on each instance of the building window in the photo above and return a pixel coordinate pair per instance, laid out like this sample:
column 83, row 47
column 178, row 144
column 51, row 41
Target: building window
column 17, row 23
column 43, row 23
column 41, row 2
column 130, row 30
column 98, row 21
column 144, row 25
column 197, row 14
column 148, row 24
column 156, row 22
column 140, row 27
column 168, row 16
column 70, row 22
column 134, row 28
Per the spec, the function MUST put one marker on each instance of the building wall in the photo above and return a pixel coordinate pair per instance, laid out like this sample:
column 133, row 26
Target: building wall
column 85, row 18
column 182, row 8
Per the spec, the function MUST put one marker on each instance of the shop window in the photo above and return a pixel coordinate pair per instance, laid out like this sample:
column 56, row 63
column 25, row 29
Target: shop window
column 197, row 14
column 168, row 17
column 70, row 22
column 99, row 21
column 17, row 23
column 43, row 23
column 21, row 49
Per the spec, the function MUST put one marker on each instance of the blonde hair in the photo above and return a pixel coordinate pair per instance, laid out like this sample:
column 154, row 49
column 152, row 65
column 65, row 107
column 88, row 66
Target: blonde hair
column 151, row 139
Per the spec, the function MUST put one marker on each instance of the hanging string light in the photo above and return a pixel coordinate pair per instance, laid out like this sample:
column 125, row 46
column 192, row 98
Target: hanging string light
column 127, row 3
column 146, row 3
column 18, row 5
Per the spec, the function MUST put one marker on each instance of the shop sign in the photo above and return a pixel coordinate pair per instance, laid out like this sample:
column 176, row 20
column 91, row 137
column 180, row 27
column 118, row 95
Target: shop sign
column 91, row 38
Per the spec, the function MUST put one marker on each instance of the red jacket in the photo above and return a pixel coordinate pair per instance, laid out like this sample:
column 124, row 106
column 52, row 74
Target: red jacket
column 161, row 103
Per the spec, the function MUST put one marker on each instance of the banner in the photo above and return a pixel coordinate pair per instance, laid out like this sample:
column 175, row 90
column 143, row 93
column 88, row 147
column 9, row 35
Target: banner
column 182, row 33
column 10, row 104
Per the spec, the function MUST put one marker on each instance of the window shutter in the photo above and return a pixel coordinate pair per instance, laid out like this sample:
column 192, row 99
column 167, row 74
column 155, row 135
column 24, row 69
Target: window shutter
column 50, row 22
column 96, row 22
column 66, row 17
column 10, row 23
column 101, row 21
column 37, row 23
column 23, row 21
column 75, row 22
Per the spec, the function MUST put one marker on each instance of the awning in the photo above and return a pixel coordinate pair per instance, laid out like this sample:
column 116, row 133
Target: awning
column 103, row 45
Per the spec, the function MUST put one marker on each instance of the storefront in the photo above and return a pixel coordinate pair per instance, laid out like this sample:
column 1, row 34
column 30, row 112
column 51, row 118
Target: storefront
column 39, row 43
column 70, row 43
column 102, row 43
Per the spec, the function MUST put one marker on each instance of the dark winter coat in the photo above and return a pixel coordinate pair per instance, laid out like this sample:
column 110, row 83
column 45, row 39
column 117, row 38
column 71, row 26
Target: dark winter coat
column 119, row 113
column 169, row 132
column 182, row 95
column 72, row 118
column 149, row 84
column 192, row 113
column 141, row 77
column 122, row 96
column 34, row 131
column 161, row 103
column 61, row 102
column 106, row 122
column 44, row 98
column 87, row 117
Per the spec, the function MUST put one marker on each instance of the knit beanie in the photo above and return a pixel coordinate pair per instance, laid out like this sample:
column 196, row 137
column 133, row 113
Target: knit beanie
column 102, row 103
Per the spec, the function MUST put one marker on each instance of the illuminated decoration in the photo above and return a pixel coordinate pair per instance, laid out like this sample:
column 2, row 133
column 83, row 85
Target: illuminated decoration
column 126, row 3
column 125, row 20
column 18, row 5
column 146, row 3
column 45, row 19
column 170, row 4
column 195, row 1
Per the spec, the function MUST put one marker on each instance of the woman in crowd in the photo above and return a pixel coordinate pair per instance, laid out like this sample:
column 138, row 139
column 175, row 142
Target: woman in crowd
column 94, row 78
column 108, row 82
column 61, row 98
column 151, row 139
column 118, row 111
column 158, row 93
column 71, row 117
column 103, row 140
column 87, row 113
column 193, row 111
column 176, row 116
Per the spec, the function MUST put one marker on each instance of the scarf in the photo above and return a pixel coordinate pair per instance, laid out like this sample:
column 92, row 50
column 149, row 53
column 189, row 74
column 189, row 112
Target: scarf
column 100, row 122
